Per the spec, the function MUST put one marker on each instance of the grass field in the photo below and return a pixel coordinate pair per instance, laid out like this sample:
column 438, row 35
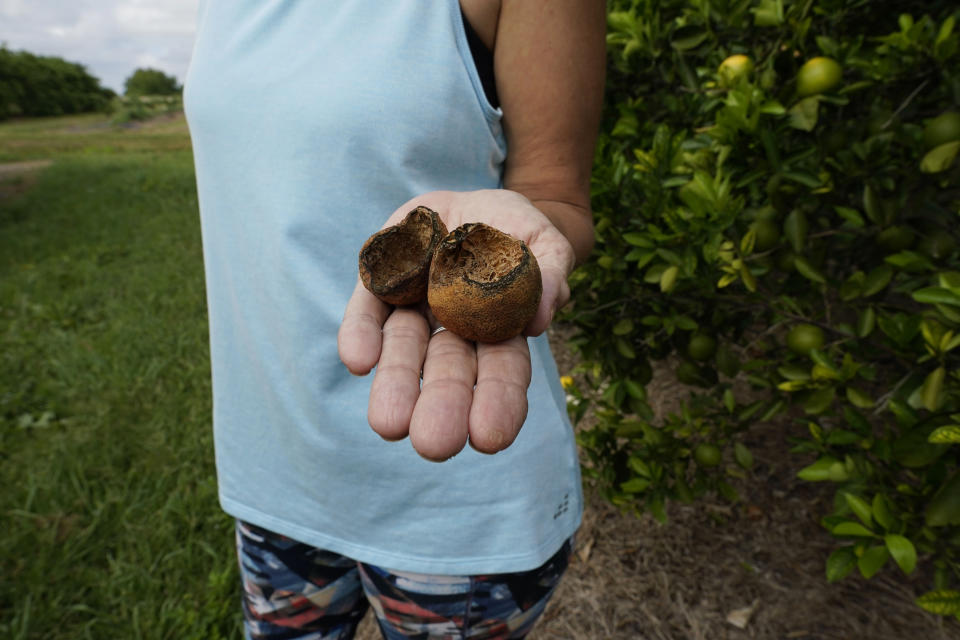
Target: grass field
column 110, row 523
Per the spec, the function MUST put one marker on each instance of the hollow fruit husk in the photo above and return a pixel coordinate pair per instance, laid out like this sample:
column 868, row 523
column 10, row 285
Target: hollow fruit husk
column 395, row 262
column 484, row 284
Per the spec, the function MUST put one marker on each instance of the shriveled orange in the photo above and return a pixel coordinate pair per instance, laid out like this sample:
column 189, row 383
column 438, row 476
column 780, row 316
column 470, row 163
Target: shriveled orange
column 484, row 284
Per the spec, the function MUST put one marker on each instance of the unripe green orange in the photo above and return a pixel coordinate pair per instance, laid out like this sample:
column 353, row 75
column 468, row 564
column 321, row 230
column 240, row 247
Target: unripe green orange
column 818, row 75
column 804, row 337
column 701, row 347
column 707, row 454
column 733, row 68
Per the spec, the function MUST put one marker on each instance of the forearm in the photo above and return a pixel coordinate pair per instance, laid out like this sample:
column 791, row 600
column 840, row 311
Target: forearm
column 550, row 63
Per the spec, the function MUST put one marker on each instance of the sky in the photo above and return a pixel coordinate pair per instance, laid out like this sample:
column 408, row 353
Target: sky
column 111, row 38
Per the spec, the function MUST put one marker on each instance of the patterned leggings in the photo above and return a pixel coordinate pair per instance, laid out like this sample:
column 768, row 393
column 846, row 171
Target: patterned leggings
column 293, row 591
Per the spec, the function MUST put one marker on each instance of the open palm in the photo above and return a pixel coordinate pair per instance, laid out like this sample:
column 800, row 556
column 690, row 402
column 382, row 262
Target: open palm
column 469, row 391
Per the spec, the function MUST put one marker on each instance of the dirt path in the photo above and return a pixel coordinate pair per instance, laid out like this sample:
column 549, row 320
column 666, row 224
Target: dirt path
column 12, row 169
column 17, row 177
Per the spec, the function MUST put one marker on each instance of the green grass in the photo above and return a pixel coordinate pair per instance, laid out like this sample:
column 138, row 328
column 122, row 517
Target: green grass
column 110, row 523
column 87, row 135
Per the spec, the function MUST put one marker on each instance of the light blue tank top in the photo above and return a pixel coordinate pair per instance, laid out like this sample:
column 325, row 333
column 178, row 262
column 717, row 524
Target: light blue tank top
column 311, row 122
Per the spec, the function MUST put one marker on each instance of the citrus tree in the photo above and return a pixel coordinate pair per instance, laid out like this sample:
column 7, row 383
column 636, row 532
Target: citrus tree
column 777, row 193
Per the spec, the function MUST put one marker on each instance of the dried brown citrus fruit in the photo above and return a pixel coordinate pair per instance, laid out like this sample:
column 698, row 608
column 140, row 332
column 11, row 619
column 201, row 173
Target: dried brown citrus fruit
column 395, row 262
column 484, row 284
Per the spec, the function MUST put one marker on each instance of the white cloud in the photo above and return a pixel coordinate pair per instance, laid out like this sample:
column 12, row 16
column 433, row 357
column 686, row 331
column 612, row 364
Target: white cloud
column 12, row 7
column 110, row 37
column 166, row 18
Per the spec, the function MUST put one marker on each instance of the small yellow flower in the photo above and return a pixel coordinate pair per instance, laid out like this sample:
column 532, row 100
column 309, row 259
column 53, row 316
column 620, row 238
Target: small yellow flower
column 566, row 381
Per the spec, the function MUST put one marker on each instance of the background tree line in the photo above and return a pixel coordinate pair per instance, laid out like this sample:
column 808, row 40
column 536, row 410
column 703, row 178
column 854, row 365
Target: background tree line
column 34, row 85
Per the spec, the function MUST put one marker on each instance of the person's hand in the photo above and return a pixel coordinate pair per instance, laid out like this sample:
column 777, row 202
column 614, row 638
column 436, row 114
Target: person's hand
column 468, row 390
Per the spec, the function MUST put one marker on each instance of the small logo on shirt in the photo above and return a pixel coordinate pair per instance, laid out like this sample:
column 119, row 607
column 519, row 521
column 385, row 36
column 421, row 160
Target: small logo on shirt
column 563, row 507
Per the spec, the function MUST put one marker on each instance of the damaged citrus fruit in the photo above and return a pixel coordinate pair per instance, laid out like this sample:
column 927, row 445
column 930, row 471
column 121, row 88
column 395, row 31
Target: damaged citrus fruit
column 484, row 284
column 395, row 262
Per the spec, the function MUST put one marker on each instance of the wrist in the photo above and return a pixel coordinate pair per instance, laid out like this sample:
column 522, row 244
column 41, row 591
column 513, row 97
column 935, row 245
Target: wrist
column 574, row 221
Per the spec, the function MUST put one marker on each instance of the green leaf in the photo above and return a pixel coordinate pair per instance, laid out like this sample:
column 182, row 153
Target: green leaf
column 909, row 261
column 634, row 389
column 769, row 13
column 944, row 602
column 795, row 228
column 949, row 280
column 903, row 552
column 852, row 287
column 654, row 273
column 748, row 279
column 882, row 513
column 794, row 372
column 871, row 204
column 852, row 216
column 809, row 271
column 860, row 507
column 840, row 563
column 688, row 37
column 947, row 434
column 729, row 401
column 623, row 327
column 872, row 560
column 748, row 241
column 625, row 349
column 668, row 279
column 944, row 507
column 866, row 321
column 806, row 179
column 940, row 158
column 637, row 239
column 635, row 485
column 859, row 399
column 819, row 400
column 877, row 280
column 742, row 455
column 932, row 392
column 851, row 528
column 939, row 295
column 626, row 126
column 772, row 108
column 656, row 507
column 819, row 471
column 803, row 115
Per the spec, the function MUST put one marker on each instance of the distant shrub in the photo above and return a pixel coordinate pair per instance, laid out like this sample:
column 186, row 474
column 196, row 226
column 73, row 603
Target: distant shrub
column 128, row 109
column 151, row 82
column 32, row 85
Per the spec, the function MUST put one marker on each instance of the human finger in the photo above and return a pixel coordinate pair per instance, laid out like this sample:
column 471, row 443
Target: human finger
column 439, row 425
column 556, row 293
column 500, row 397
column 396, row 383
column 359, row 337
